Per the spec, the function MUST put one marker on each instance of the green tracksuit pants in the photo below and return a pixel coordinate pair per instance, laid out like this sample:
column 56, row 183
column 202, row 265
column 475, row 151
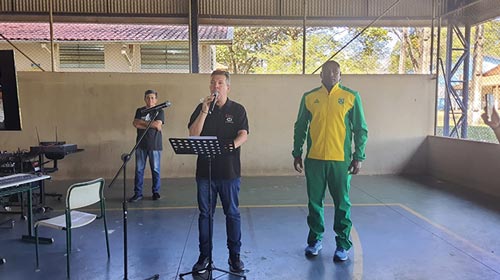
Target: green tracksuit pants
column 319, row 174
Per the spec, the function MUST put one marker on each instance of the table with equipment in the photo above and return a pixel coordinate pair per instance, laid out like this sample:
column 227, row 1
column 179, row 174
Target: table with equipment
column 21, row 183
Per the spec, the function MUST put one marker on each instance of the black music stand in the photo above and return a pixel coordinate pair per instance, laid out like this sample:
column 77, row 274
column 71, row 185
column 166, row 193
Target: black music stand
column 209, row 147
column 125, row 158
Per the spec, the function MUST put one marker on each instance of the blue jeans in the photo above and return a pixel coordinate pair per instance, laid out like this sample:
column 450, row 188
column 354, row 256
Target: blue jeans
column 140, row 164
column 228, row 191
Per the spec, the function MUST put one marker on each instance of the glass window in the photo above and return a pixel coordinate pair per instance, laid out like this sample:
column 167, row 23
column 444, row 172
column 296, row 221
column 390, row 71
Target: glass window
column 170, row 56
column 81, row 56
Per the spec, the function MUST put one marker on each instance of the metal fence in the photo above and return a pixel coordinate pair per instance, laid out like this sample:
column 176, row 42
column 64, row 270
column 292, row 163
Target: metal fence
column 277, row 50
column 282, row 50
column 260, row 50
column 469, row 74
column 84, row 47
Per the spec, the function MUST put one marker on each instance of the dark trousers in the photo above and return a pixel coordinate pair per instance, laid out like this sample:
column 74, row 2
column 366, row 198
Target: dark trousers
column 228, row 191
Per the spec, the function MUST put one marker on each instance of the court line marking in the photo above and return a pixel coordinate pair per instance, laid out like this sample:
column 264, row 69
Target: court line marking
column 358, row 255
column 357, row 271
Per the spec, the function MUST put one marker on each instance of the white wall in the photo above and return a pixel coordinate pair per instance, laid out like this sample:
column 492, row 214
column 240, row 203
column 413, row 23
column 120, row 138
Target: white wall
column 95, row 111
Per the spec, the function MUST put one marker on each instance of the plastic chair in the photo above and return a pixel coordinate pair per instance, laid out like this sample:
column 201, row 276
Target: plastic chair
column 78, row 195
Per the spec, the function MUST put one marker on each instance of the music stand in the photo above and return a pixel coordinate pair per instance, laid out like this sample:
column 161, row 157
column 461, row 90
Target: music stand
column 125, row 158
column 209, row 147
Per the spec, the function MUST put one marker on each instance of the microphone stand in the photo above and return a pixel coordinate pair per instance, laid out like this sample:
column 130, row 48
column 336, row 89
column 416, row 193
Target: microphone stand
column 125, row 158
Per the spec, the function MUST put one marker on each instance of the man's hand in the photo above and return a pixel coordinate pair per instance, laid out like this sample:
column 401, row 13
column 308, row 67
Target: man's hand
column 157, row 125
column 354, row 167
column 207, row 101
column 495, row 119
column 297, row 164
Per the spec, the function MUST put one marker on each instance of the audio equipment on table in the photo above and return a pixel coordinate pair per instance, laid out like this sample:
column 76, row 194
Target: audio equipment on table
column 17, row 162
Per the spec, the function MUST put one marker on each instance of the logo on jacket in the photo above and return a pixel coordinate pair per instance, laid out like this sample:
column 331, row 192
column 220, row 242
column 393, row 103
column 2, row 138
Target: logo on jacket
column 316, row 101
column 341, row 101
column 229, row 118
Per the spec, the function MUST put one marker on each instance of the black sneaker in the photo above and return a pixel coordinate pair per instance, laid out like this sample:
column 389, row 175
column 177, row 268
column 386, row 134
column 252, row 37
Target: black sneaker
column 201, row 265
column 156, row 196
column 235, row 264
column 135, row 198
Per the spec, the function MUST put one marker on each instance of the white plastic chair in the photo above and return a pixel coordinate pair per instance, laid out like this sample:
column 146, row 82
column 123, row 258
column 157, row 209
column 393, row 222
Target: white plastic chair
column 79, row 195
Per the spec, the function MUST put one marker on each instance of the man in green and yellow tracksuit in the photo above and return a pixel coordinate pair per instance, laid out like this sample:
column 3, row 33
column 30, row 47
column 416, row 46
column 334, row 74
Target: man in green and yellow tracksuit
column 330, row 117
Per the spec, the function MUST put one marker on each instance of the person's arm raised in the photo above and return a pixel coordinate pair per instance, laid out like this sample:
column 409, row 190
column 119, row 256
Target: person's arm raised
column 494, row 122
column 197, row 126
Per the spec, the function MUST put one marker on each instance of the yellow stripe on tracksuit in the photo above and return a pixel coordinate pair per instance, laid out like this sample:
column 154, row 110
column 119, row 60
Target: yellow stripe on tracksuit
column 329, row 121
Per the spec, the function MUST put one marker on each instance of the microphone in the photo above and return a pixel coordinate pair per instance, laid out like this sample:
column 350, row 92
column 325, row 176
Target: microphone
column 157, row 107
column 212, row 106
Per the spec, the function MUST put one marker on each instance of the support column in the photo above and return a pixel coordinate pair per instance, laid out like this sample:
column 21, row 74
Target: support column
column 457, row 81
column 193, row 36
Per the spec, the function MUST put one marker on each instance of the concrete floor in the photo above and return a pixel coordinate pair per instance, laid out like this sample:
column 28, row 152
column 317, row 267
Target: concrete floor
column 404, row 228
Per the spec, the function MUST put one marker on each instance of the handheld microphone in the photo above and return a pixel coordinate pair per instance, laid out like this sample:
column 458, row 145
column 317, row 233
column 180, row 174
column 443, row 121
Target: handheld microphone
column 157, row 107
column 212, row 106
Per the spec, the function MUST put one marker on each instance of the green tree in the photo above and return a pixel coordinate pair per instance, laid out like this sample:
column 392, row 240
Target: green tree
column 365, row 54
column 285, row 57
column 243, row 56
column 277, row 49
column 492, row 38
column 411, row 54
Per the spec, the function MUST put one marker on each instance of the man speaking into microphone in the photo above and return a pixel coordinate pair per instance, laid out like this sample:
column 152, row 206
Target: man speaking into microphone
column 150, row 146
column 219, row 116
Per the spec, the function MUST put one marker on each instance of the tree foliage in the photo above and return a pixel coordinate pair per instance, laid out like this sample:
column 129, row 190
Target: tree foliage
column 492, row 38
column 285, row 57
column 411, row 51
column 249, row 43
column 367, row 52
column 279, row 49
column 376, row 50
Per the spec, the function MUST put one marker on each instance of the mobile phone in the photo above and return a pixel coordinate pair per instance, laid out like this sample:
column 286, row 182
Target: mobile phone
column 490, row 104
